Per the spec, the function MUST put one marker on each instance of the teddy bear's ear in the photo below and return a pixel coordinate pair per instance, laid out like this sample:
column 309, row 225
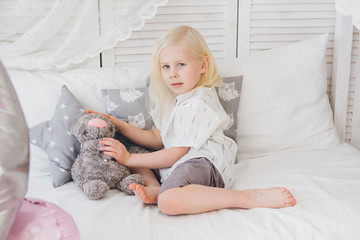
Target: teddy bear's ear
column 72, row 129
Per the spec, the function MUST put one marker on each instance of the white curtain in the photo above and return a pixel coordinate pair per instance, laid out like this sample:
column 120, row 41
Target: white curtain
column 350, row 8
column 44, row 34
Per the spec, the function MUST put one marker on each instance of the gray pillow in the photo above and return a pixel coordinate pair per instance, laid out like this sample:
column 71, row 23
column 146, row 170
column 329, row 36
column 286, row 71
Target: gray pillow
column 55, row 138
column 132, row 105
column 129, row 105
column 229, row 95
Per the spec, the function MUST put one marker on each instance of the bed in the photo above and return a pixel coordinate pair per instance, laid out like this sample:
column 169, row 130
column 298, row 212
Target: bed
column 288, row 130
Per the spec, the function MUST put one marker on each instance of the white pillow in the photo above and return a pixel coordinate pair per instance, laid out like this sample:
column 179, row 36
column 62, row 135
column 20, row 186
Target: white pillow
column 284, row 104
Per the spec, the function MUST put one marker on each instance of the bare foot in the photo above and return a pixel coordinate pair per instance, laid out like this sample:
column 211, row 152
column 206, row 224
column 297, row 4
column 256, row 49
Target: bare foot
column 277, row 197
column 148, row 195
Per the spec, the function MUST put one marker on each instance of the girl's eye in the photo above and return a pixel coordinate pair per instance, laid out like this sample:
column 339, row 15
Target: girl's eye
column 166, row 67
column 181, row 64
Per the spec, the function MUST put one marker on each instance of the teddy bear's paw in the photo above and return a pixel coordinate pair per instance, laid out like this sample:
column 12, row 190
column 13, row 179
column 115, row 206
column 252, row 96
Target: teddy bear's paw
column 123, row 185
column 95, row 189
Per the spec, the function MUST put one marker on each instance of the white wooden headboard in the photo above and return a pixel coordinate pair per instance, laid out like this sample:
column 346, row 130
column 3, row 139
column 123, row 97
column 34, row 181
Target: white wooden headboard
column 345, row 95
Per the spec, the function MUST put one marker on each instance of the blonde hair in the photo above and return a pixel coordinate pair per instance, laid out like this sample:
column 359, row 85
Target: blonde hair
column 197, row 47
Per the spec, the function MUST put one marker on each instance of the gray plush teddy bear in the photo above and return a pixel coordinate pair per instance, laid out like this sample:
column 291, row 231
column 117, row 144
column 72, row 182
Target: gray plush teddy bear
column 94, row 172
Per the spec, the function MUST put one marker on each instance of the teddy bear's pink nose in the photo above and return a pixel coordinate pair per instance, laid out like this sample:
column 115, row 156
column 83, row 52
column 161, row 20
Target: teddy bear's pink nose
column 97, row 122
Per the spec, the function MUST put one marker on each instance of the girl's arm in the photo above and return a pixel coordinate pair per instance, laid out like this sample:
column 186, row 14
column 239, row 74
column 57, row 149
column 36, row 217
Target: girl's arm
column 147, row 138
column 158, row 159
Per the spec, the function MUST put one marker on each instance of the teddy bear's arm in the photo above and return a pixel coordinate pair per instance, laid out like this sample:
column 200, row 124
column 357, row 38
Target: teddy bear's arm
column 93, row 146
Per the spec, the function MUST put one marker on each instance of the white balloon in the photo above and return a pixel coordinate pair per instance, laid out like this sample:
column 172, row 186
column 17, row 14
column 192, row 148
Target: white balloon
column 14, row 154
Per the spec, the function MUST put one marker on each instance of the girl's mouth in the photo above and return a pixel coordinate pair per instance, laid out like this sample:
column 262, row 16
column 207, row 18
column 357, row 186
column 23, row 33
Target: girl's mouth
column 176, row 84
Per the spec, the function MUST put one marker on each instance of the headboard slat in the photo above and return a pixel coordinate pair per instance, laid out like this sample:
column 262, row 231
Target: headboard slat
column 341, row 72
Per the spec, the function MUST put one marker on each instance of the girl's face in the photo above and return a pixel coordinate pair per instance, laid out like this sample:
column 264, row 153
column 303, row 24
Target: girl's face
column 179, row 69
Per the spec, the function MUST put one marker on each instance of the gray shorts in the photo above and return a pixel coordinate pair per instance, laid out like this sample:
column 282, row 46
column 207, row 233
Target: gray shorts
column 194, row 171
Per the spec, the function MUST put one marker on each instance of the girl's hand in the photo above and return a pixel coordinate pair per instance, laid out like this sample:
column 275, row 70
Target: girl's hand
column 105, row 115
column 116, row 150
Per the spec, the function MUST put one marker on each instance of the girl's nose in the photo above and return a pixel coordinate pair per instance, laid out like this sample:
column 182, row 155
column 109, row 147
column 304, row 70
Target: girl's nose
column 173, row 74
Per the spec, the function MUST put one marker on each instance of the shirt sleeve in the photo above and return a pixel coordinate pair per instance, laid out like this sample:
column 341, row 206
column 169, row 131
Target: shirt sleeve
column 194, row 123
column 155, row 117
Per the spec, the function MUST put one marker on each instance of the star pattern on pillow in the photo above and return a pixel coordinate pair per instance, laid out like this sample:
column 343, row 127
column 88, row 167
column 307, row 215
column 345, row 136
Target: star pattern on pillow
column 55, row 138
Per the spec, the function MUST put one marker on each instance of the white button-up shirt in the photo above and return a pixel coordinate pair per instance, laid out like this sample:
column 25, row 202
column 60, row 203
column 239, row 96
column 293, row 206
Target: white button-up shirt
column 197, row 120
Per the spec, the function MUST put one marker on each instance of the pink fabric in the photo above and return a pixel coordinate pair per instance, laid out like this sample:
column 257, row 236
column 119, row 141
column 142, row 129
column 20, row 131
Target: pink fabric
column 42, row 220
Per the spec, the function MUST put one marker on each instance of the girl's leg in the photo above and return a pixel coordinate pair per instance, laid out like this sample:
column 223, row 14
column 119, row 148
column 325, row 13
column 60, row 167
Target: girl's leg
column 193, row 199
column 149, row 193
column 148, row 176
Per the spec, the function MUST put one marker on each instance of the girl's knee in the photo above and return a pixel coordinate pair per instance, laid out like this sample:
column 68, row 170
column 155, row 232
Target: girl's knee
column 169, row 202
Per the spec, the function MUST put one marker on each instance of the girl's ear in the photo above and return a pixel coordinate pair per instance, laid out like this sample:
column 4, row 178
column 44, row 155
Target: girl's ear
column 204, row 64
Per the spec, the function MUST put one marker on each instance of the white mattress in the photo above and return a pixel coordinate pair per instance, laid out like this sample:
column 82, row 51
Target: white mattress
column 325, row 183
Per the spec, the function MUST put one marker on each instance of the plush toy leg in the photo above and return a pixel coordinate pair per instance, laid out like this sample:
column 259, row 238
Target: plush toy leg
column 123, row 185
column 95, row 189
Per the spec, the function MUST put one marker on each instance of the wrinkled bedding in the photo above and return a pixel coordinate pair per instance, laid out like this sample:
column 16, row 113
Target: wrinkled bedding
column 325, row 183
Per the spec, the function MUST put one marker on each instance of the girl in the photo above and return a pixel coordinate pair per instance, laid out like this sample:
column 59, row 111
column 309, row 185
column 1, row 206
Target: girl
column 194, row 156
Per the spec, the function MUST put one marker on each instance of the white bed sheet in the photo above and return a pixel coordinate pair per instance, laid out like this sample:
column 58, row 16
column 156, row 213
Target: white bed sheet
column 326, row 185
